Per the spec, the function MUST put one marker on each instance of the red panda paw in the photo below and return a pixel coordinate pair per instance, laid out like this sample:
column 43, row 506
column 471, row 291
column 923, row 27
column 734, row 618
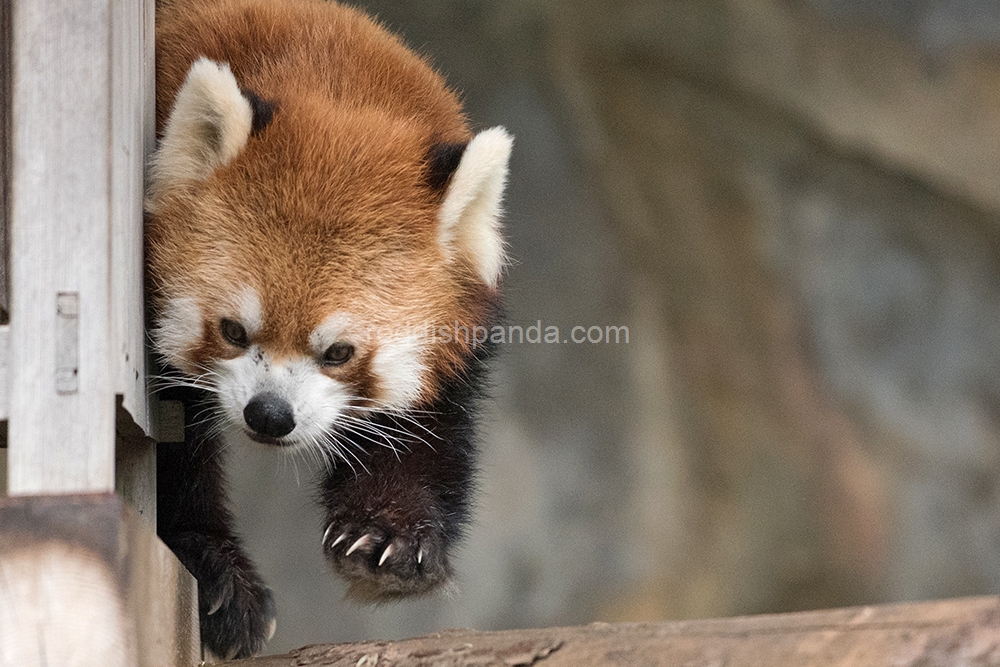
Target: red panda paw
column 384, row 562
column 237, row 610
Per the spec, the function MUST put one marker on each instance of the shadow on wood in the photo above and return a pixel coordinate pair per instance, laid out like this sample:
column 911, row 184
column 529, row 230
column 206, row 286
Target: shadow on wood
column 85, row 581
column 948, row 633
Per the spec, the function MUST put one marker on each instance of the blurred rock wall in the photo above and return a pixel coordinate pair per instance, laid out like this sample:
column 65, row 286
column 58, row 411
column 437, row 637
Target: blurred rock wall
column 792, row 205
column 809, row 193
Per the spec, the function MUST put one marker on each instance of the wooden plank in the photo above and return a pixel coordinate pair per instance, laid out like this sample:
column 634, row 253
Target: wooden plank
column 60, row 435
column 946, row 633
column 133, row 137
column 84, row 581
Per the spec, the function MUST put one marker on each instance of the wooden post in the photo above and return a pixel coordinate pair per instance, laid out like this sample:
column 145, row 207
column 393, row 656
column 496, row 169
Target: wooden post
column 83, row 578
column 62, row 395
column 82, row 119
column 5, row 40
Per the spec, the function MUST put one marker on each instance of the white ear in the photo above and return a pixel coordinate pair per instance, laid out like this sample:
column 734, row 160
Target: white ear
column 208, row 125
column 470, row 214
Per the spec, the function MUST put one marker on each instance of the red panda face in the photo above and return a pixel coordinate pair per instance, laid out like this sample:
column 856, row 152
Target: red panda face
column 302, row 270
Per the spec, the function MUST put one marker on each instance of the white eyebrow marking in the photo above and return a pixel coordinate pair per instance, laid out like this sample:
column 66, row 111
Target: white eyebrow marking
column 329, row 331
column 251, row 313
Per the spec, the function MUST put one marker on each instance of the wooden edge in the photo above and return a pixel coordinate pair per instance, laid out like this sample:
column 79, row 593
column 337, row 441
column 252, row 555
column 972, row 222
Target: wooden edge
column 4, row 375
column 944, row 633
column 135, row 464
column 85, row 581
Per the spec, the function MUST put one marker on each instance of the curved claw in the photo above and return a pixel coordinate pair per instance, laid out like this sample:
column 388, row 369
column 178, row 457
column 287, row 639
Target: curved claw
column 385, row 555
column 216, row 606
column 362, row 541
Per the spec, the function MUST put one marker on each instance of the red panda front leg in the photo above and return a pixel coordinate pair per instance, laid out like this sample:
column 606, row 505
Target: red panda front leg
column 391, row 526
column 236, row 609
column 394, row 516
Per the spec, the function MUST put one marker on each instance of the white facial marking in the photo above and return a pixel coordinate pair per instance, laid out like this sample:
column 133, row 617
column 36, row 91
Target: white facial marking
column 470, row 215
column 317, row 401
column 398, row 363
column 251, row 314
column 178, row 330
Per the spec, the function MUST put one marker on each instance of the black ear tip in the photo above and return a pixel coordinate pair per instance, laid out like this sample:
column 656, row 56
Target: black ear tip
column 442, row 161
column 263, row 111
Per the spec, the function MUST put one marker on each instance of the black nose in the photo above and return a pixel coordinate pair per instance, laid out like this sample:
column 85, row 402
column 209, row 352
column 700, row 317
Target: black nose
column 269, row 414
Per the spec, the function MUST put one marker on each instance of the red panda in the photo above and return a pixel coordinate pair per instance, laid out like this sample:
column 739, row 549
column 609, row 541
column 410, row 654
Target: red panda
column 318, row 212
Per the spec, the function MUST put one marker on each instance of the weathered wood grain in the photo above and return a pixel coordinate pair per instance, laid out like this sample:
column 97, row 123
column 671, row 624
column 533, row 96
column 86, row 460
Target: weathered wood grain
column 84, row 581
column 60, row 439
column 950, row 633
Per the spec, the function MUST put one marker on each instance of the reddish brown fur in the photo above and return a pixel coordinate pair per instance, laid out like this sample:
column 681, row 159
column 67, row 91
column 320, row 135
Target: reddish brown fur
column 327, row 209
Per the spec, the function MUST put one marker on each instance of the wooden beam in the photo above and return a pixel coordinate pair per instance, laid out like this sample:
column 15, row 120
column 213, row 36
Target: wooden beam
column 84, row 581
column 945, row 633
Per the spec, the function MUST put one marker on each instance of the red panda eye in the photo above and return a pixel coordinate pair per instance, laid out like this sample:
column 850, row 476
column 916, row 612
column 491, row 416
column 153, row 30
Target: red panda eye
column 337, row 354
column 234, row 333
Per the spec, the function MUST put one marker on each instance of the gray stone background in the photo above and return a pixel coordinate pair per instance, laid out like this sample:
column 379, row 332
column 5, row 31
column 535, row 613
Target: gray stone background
column 794, row 207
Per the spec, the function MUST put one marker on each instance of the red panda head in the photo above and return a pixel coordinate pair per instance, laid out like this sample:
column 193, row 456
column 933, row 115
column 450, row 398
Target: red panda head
column 304, row 265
